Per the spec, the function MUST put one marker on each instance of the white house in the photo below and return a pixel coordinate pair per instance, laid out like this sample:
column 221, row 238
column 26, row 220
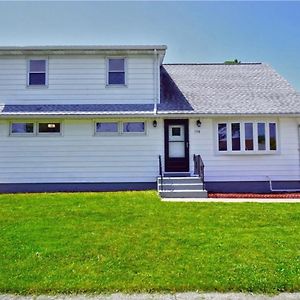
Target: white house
column 99, row 118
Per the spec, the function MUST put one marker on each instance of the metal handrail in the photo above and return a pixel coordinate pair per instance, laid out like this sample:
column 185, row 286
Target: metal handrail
column 199, row 166
column 160, row 172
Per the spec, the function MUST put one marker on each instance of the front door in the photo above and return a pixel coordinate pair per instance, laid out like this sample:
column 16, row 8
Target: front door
column 177, row 145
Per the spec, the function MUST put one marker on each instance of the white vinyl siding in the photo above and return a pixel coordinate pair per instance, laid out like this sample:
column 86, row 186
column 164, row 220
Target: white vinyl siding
column 282, row 164
column 77, row 80
column 79, row 156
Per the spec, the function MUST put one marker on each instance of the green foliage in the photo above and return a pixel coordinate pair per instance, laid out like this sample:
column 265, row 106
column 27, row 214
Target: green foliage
column 133, row 242
column 232, row 62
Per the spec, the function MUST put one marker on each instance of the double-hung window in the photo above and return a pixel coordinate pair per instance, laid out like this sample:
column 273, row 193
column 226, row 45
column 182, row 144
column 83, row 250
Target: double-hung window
column 116, row 71
column 247, row 137
column 37, row 72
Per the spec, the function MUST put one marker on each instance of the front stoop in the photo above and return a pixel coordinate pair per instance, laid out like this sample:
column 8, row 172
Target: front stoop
column 181, row 187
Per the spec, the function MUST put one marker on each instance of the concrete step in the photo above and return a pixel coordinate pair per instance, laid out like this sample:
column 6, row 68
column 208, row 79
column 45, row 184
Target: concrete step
column 177, row 174
column 175, row 180
column 181, row 186
column 183, row 194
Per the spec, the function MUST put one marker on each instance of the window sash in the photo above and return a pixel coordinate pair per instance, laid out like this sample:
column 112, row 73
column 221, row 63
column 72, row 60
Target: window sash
column 25, row 132
column 43, row 72
column 98, row 128
column 111, row 80
column 126, row 126
column 53, row 128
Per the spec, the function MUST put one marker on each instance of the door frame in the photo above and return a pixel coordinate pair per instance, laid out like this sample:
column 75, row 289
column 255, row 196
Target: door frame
column 184, row 161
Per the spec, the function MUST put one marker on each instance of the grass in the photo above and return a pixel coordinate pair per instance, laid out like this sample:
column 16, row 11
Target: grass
column 132, row 242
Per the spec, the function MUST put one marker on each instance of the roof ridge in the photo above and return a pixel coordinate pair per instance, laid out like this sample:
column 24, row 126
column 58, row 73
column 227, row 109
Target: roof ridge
column 208, row 64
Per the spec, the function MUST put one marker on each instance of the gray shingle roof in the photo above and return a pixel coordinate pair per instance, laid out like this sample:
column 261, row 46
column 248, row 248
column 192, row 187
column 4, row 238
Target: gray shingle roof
column 77, row 109
column 252, row 88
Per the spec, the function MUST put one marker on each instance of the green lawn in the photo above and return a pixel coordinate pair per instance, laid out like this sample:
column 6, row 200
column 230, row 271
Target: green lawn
column 132, row 242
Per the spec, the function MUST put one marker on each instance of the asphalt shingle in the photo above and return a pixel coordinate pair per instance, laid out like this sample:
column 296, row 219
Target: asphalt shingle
column 252, row 88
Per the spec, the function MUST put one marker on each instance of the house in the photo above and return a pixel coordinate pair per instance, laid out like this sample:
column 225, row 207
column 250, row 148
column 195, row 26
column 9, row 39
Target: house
column 93, row 118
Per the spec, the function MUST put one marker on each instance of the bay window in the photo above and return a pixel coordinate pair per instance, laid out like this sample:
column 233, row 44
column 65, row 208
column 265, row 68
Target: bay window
column 247, row 137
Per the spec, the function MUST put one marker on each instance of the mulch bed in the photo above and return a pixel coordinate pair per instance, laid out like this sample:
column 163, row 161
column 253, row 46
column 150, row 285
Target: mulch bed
column 251, row 195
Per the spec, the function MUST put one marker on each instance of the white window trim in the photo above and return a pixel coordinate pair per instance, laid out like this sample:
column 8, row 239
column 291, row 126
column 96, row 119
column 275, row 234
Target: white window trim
column 120, row 128
column 134, row 133
column 20, row 134
column 229, row 150
column 125, row 72
column 97, row 133
column 37, row 86
column 49, row 133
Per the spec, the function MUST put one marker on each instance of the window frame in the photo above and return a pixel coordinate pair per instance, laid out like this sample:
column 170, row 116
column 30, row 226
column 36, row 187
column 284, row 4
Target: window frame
column 96, row 133
column 108, row 71
column 60, row 133
column 120, row 128
column 28, row 85
column 22, row 134
column 133, row 133
column 243, row 150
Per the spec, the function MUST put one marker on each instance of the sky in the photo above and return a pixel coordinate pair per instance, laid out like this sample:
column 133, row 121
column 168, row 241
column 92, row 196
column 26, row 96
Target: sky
column 193, row 31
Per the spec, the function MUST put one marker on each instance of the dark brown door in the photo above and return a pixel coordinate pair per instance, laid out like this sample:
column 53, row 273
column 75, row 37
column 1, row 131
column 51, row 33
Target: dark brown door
column 176, row 145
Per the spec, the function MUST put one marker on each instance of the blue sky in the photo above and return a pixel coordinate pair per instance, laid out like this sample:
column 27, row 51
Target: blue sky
column 193, row 31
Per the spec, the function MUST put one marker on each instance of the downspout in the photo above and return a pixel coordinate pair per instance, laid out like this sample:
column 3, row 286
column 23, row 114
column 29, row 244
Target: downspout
column 155, row 76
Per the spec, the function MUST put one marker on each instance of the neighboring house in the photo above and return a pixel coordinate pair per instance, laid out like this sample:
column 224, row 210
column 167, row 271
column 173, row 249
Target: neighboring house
column 99, row 117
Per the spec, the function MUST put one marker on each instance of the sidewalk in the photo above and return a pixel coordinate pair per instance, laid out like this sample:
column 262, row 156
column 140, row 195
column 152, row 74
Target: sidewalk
column 231, row 200
column 177, row 296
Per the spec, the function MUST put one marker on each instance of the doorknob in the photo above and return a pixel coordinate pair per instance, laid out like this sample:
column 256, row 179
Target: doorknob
column 187, row 144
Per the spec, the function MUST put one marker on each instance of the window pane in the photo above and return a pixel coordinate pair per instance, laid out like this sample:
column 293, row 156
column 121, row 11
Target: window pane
column 49, row 127
column 272, row 129
column 261, row 132
column 134, row 127
column 222, row 137
column 249, row 145
column 116, row 64
column 235, row 137
column 107, row 127
column 176, row 131
column 116, row 78
column 37, row 79
column 37, row 66
column 22, row 127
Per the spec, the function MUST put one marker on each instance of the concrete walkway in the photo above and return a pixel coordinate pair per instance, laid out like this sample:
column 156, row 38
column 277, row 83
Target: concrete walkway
column 177, row 296
column 258, row 200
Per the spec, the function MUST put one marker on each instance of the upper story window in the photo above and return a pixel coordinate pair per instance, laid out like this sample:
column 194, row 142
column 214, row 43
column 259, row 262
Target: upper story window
column 116, row 71
column 37, row 72
column 247, row 137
